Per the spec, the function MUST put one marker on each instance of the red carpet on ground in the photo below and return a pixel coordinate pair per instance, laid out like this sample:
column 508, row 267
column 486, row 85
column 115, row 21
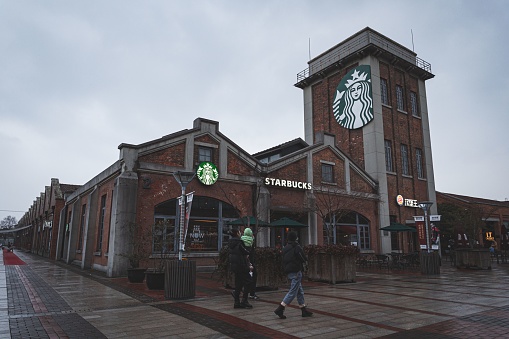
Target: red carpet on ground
column 12, row 259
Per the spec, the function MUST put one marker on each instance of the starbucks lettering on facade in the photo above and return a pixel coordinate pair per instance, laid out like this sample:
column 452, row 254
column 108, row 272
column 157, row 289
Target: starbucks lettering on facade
column 288, row 183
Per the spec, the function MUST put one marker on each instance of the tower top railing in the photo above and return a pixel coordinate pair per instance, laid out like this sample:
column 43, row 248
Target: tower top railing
column 358, row 42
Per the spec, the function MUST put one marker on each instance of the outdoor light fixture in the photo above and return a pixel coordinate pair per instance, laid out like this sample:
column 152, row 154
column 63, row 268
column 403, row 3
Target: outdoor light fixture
column 425, row 205
column 183, row 178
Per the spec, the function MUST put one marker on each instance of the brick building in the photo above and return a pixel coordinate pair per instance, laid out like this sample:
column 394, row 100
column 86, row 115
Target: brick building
column 483, row 220
column 366, row 143
column 391, row 142
column 37, row 230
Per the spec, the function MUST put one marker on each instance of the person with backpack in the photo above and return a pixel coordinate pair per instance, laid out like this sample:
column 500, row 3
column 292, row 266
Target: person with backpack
column 293, row 261
column 240, row 266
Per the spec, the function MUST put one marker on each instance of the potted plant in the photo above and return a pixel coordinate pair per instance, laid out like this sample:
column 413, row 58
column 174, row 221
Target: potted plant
column 135, row 253
column 162, row 242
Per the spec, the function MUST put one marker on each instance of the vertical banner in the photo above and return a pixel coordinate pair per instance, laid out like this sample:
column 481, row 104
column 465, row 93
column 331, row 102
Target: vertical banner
column 421, row 231
column 189, row 202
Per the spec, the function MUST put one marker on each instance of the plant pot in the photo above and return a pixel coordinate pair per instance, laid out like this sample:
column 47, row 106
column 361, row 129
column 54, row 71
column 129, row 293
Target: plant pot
column 136, row 275
column 154, row 280
column 475, row 258
column 332, row 268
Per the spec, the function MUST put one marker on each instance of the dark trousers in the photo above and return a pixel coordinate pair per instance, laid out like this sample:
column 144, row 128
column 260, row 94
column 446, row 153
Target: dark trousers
column 242, row 284
column 252, row 290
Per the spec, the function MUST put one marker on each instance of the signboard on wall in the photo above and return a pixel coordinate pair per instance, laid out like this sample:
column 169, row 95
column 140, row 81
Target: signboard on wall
column 353, row 101
column 406, row 202
column 207, row 173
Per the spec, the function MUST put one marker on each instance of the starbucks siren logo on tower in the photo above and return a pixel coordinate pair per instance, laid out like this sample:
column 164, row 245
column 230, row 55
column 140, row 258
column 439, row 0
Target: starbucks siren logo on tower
column 207, row 173
column 353, row 102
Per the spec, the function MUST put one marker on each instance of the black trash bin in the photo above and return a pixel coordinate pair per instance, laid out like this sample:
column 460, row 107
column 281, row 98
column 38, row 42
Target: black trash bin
column 180, row 279
column 430, row 263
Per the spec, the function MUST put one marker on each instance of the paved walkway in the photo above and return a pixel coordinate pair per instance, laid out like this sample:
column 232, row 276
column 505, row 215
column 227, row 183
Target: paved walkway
column 46, row 299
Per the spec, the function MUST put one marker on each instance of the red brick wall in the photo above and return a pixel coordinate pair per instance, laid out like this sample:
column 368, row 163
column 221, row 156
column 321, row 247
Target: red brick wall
column 105, row 189
column 215, row 151
column 171, row 156
column 339, row 167
column 237, row 166
column 399, row 127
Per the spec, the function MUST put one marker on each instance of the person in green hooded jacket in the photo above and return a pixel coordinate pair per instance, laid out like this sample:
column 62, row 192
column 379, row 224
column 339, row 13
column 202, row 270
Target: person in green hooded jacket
column 248, row 239
column 240, row 266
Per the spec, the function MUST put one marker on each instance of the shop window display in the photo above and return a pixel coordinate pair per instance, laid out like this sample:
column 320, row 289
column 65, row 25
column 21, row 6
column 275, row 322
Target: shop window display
column 208, row 219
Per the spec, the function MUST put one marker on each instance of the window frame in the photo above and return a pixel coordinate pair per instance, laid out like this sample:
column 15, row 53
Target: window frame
column 389, row 165
column 384, row 91
column 327, row 173
column 400, row 98
column 413, row 104
column 405, row 168
column 418, row 163
column 82, row 226
column 205, row 157
column 100, row 229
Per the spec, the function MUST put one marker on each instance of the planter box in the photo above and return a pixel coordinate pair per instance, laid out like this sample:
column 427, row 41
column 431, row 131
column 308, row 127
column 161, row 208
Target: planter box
column 154, row 280
column 477, row 258
column 266, row 279
column 332, row 268
column 270, row 279
column 430, row 263
column 136, row 275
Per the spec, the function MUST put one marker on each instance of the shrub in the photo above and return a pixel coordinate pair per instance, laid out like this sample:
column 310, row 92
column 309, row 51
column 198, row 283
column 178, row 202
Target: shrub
column 331, row 249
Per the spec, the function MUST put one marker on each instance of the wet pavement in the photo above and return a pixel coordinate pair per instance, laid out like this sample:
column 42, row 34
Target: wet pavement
column 48, row 299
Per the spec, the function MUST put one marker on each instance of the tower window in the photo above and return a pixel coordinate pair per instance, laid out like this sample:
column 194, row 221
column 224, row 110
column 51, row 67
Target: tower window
column 388, row 156
column 418, row 160
column 404, row 160
column 399, row 98
column 383, row 91
column 413, row 103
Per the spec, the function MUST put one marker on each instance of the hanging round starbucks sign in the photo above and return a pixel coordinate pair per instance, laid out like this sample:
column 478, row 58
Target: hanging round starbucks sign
column 207, row 173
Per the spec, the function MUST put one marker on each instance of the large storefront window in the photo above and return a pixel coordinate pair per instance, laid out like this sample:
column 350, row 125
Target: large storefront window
column 208, row 220
column 349, row 229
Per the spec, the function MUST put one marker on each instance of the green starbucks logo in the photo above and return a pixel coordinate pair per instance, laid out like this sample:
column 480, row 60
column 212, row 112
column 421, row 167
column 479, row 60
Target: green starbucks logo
column 353, row 103
column 207, row 173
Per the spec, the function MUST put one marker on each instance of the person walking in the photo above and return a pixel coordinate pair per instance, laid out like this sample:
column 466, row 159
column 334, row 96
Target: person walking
column 248, row 239
column 293, row 260
column 240, row 266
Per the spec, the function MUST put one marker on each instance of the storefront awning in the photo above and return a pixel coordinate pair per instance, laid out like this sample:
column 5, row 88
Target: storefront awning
column 286, row 222
column 245, row 221
column 395, row 227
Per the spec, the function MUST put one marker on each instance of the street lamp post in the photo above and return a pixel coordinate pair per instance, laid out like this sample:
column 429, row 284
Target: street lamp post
column 183, row 178
column 425, row 205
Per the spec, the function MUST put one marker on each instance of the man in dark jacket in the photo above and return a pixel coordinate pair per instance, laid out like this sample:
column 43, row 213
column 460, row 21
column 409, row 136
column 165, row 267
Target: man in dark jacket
column 240, row 266
column 293, row 260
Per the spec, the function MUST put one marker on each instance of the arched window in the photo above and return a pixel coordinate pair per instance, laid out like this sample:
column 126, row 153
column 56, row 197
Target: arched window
column 207, row 230
column 351, row 228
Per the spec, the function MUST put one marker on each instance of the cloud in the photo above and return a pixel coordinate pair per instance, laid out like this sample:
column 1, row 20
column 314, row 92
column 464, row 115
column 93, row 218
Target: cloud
column 84, row 77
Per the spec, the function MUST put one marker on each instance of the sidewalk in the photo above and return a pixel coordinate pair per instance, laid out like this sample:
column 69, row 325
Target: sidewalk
column 47, row 299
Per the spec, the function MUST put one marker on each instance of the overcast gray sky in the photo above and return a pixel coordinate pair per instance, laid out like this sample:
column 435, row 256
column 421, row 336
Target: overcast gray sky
column 78, row 78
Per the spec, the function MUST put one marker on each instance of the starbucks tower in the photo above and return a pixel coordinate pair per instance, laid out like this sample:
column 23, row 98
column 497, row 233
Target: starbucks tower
column 369, row 92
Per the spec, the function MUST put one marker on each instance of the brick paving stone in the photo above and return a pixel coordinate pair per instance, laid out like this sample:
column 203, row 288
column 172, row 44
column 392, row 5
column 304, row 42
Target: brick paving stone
column 48, row 299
